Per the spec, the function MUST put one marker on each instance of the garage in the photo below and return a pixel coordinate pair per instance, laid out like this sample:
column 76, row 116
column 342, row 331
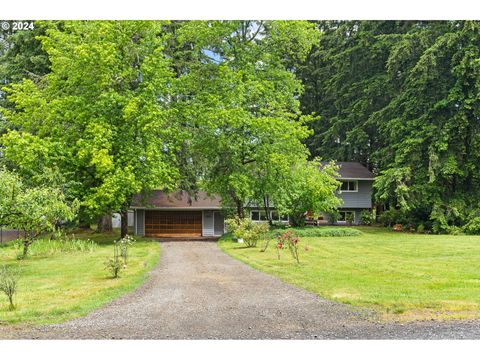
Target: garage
column 173, row 223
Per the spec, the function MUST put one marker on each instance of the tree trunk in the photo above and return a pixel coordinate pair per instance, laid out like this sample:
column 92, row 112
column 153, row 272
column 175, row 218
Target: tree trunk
column 240, row 209
column 124, row 223
column 105, row 224
column 26, row 244
column 266, row 206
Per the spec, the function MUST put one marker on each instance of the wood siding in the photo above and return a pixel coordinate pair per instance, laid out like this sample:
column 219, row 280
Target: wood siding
column 173, row 223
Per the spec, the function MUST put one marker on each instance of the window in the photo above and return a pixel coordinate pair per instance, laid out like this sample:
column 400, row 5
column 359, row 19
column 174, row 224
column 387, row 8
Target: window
column 349, row 186
column 259, row 215
column 343, row 215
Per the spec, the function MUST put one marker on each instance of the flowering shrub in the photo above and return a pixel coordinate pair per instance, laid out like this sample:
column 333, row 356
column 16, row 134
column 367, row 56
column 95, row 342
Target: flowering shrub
column 124, row 244
column 290, row 241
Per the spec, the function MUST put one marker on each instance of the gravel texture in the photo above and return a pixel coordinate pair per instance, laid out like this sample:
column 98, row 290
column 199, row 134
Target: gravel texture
column 198, row 292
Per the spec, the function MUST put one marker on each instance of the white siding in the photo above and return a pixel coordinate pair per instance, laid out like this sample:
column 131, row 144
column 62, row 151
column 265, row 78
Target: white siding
column 140, row 222
column 207, row 226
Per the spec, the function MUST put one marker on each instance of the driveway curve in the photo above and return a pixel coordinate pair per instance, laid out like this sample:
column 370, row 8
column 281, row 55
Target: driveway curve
column 198, row 292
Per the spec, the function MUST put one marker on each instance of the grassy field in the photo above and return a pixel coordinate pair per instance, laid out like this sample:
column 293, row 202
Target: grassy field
column 55, row 287
column 402, row 276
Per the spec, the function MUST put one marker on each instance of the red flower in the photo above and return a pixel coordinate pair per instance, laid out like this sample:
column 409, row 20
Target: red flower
column 279, row 245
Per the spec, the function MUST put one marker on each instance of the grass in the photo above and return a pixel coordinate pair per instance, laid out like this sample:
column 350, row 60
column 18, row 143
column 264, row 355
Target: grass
column 402, row 276
column 58, row 285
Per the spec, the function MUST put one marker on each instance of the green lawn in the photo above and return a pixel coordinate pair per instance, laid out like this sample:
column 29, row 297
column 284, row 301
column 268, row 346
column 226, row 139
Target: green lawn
column 60, row 286
column 402, row 276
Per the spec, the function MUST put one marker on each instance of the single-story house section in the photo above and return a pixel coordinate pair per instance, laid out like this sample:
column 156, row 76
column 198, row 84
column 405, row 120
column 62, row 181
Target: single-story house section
column 178, row 215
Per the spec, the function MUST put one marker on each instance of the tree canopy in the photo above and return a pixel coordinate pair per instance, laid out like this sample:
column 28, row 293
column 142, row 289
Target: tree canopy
column 402, row 97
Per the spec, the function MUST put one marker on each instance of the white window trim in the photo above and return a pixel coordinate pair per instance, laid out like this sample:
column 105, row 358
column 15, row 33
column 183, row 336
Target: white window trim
column 271, row 211
column 347, row 211
column 356, row 186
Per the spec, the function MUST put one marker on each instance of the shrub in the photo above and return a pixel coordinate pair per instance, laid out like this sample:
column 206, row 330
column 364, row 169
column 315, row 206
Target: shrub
column 391, row 217
column 333, row 217
column 115, row 264
column 247, row 230
column 321, row 231
column 288, row 239
column 454, row 230
column 124, row 244
column 366, row 217
column 472, row 227
column 8, row 283
column 421, row 229
column 349, row 218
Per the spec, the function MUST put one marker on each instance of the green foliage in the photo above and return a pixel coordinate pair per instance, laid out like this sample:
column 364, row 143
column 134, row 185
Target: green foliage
column 8, row 283
column 402, row 98
column 45, row 246
column 34, row 210
column 308, row 187
column 473, row 226
column 98, row 114
column 421, row 228
column 321, row 231
column 333, row 216
column 367, row 217
column 115, row 264
column 251, row 232
column 243, row 104
column 10, row 187
column 349, row 217
column 125, row 243
column 392, row 217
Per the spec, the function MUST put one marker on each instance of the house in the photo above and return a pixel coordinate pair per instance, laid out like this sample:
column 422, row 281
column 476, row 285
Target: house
column 179, row 215
column 355, row 190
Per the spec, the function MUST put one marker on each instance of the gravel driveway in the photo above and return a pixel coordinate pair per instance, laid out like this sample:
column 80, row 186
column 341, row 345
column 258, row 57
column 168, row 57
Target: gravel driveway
column 198, row 292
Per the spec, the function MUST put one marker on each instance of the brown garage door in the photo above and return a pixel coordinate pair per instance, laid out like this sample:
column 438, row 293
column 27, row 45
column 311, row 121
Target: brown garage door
column 173, row 223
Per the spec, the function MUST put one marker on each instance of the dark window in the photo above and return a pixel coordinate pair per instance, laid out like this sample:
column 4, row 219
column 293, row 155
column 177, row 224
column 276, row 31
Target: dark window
column 255, row 216
column 349, row 186
column 263, row 217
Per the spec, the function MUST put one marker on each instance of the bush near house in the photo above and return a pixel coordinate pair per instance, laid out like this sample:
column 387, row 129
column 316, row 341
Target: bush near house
column 367, row 217
column 321, row 231
column 251, row 232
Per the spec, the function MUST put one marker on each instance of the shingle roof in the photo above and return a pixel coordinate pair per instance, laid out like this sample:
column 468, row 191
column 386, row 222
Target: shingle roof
column 352, row 170
column 176, row 200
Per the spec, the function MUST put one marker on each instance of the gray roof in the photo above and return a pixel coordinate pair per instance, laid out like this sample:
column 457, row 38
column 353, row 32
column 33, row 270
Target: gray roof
column 353, row 170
